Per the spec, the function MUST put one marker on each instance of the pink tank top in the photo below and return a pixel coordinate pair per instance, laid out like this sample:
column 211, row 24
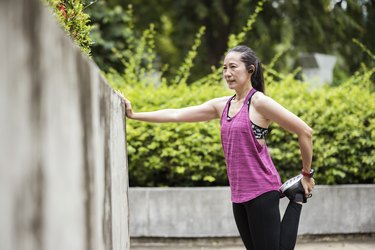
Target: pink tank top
column 250, row 169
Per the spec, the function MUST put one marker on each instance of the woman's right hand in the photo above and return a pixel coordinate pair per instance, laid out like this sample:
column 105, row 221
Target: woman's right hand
column 128, row 106
column 308, row 184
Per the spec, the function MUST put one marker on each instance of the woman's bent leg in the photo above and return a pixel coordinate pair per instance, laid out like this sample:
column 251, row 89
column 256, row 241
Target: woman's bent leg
column 289, row 226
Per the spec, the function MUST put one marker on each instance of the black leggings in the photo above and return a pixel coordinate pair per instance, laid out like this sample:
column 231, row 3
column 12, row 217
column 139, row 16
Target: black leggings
column 258, row 222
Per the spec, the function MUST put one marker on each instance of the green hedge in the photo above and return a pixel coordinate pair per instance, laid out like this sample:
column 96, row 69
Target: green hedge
column 190, row 154
column 343, row 119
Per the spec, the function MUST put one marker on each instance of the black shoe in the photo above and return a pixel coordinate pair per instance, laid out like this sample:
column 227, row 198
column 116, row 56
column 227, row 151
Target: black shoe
column 293, row 189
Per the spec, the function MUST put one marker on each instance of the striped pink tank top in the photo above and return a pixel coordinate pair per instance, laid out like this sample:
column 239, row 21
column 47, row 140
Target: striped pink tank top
column 250, row 169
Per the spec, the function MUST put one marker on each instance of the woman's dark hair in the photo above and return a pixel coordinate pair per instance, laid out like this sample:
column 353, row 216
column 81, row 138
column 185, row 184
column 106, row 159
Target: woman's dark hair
column 249, row 57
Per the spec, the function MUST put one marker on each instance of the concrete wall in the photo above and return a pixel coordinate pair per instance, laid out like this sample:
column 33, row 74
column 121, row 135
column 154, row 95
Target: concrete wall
column 63, row 165
column 207, row 212
column 317, row 68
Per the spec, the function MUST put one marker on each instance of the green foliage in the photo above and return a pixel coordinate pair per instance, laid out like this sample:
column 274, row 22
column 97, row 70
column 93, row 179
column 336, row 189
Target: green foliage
column 184, row 71
column 190, row 154
column 113, row 32
column 235, row 40
column 138, row 58
column 364, row 49
column 186, row 154
column 294, row 27
column 343, row 120
column 71, row 16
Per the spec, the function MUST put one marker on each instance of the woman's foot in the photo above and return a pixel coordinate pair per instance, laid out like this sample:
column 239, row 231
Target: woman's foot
column 293, row 189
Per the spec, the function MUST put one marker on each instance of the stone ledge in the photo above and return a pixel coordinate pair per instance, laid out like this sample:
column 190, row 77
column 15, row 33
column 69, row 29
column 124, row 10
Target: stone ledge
column 206, row 212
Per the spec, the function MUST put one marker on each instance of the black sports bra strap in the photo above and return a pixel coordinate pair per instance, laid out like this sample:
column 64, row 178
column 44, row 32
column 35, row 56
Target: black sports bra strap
column 249, row 101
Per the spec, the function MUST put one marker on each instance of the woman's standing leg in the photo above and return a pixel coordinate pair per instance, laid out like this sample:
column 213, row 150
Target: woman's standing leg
column 240, row 216
column 258, row 222
column 264, row 220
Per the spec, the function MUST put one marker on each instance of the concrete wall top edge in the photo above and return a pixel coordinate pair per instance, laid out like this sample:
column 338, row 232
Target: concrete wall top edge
column 227, row 187
column 178, row 188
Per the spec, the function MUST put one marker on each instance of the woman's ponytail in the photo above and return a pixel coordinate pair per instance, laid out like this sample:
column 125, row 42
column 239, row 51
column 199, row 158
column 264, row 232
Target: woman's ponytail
column 257, row 80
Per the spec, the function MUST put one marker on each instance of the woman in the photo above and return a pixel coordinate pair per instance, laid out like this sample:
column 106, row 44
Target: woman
column 253, row 178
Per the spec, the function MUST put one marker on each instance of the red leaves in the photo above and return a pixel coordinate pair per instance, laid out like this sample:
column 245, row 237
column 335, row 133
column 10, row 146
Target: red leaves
column 62, row 9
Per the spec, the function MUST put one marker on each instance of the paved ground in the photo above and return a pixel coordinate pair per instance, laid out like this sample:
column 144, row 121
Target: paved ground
column 362, row 242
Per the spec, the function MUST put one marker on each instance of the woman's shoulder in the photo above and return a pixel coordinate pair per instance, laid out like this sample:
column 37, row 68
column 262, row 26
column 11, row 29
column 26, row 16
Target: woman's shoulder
column 220, row 100
column 259, row 99
column 219, row 103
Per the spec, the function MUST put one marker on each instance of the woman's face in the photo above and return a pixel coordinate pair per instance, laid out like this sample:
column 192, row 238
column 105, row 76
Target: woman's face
column 234, row 71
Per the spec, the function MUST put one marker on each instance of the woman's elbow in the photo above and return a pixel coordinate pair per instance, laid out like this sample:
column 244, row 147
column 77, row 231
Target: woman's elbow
column 307, row 132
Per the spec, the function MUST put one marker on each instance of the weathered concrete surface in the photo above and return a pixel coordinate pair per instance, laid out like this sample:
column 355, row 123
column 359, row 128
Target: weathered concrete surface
column 207, row 212
column 180, row 212
column 63, row 169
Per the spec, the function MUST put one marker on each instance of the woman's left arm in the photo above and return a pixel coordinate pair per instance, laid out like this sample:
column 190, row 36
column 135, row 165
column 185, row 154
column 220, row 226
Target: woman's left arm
column 273, row 111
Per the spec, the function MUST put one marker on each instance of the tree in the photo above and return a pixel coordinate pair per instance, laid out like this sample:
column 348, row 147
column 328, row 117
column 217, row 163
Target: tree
column 292, row 27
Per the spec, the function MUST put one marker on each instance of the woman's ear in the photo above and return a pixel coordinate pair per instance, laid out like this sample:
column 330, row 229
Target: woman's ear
column 251, row 69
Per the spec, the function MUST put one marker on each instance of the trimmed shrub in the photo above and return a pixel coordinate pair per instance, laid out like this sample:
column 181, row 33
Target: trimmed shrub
column 190, row 154
column 169, row 154
column 343, row 120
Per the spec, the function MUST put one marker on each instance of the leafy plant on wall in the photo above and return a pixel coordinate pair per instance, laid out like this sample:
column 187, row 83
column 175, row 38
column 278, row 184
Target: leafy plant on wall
column 71, row 16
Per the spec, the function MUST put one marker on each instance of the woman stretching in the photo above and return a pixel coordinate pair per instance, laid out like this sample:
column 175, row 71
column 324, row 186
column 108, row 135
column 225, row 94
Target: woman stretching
column 254, row 181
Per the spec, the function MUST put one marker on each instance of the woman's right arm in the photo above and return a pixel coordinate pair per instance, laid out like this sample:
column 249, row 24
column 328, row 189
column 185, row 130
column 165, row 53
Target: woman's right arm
column 204, row 112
